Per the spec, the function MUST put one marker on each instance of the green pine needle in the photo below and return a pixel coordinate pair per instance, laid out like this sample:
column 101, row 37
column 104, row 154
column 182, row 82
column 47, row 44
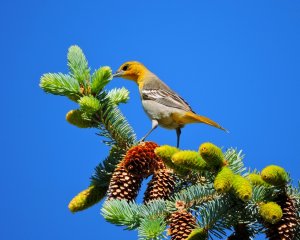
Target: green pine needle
column 121, row 213
column 60, row 84
column 211, row 213
column 235, row 160
column 152, row 228
column 195, row 194
column 116, row 125
column 118, row 95
column 154, row 208
column 89, row 105
column 105, row 169
column 78, row 65
column 100, row 78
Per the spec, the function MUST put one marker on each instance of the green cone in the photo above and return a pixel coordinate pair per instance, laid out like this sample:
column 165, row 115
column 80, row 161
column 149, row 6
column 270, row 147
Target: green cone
column 212, row 154
column 223, row 180
column 242, row 188
column 89, row 104
column 74, row 117
column 86, row 198
column 271, row 212
column 256, row 180
column 198, row 234
column 190, row 160
column 274, row 175
column 166, row 152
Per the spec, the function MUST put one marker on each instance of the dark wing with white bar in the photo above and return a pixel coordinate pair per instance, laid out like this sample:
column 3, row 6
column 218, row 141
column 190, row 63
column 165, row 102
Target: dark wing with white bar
column 167, row 98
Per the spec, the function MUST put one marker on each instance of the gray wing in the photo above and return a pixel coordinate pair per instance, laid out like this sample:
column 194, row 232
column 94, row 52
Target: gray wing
column 166, row 97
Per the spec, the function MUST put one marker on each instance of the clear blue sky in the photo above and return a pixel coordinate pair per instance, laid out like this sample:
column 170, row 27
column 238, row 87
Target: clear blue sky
column 234, row 61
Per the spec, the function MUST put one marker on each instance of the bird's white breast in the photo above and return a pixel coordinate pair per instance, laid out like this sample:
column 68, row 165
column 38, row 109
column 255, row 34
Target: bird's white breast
column 162, row 113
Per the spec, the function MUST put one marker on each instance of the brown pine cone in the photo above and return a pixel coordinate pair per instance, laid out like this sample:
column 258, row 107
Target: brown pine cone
column 124, row 185
column 181, row 224
column 141, row 160
column 286, row 228
column 161, row 185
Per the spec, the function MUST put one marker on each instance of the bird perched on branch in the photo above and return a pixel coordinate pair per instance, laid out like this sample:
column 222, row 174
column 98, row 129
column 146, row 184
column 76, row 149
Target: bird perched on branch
column 163, row 106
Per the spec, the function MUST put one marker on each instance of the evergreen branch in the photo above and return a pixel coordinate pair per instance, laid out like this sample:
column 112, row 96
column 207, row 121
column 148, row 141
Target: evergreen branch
column 118, row 95
column 121, row 213
column 78, row 65
column 243, row 213
column 105, row 169
column 261, row 193
column 89, row 105
column 235, row 160
column 195, row 189
column 100, row 78
column 152, row 228
column 210, row 212
column 60, row 84
column 195, row 195
column 116, row 125
column 154, row 208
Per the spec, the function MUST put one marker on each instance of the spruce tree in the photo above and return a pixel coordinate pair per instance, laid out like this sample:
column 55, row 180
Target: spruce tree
column 192, row 194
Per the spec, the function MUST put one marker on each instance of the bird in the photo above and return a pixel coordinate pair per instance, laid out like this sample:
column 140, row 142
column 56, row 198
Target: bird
column 163, row 106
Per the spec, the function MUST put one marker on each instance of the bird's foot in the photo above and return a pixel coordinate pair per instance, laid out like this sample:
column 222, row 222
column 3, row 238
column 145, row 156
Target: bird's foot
column 141, row 140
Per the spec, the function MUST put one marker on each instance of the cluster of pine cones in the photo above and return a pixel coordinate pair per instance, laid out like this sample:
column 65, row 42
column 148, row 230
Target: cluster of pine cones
column 139, row 163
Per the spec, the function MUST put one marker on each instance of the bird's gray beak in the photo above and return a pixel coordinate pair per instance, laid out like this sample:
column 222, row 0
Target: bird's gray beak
column 118, row 73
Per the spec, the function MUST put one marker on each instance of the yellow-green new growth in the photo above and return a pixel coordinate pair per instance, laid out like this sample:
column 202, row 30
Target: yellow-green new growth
column 256, row 180
column 190, row 160
column 198, row 234
column 223, row 180
column 242, row 188
column 100, row 78
column 89, row 104
column 271, row 212
column 212, row 154
column 74, row 117
column 274, row 175
column 86, row 198
column 166, row 152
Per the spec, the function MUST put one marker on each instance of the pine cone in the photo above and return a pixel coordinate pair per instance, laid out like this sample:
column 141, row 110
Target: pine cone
column 161, row 186
column 181, row 224
column 141, row 160
column 74, row 117
column 242, row 188
column 286, row 228
column 124, row 185
column 212, row 155
column 87, row 198
column 223, row 180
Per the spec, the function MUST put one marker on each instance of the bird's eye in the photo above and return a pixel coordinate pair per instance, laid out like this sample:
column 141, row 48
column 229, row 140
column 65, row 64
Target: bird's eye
column 125, row 68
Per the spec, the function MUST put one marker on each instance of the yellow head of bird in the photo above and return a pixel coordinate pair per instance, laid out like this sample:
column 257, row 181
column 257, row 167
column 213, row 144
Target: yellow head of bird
column 131, row 70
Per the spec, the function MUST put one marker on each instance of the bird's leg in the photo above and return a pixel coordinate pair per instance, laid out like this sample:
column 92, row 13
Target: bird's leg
column 154, row 125
column 178, row 132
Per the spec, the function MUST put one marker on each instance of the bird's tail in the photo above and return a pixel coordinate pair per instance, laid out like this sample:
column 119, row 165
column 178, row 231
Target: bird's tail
column 191, row 117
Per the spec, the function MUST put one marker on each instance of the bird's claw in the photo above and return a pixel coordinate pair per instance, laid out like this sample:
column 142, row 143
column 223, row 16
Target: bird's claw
column 141, row 140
